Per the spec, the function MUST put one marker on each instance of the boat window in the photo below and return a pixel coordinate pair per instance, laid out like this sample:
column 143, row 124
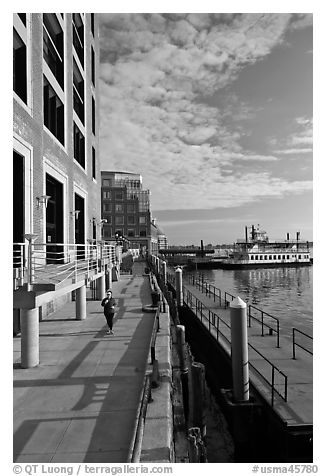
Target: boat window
column 270, row 257
column 256, row 256
column 251, row 257
column 299, row 256
column 283, row 257
column 265, row 257
column 287, row 257
column 261, row 257
column 279, row 257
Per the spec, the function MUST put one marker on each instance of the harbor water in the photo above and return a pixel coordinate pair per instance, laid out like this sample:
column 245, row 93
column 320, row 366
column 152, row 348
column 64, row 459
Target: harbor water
column 285, row 293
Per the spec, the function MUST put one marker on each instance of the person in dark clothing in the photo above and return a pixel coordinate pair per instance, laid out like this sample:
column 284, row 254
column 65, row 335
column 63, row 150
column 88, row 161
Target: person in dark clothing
column 109, row 306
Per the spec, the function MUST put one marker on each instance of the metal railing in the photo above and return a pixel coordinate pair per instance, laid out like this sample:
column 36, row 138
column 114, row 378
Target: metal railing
column 277, row 381
column 296, row 344
column 40, row 263
column 273, row 325
column 224, row 298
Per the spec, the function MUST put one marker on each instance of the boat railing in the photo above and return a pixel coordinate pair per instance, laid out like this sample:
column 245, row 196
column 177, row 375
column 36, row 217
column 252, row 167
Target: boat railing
column 303, row 344
column 276, row 380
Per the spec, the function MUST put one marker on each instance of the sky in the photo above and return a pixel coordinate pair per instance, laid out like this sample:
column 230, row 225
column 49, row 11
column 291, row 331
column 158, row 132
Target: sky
column 215, row 112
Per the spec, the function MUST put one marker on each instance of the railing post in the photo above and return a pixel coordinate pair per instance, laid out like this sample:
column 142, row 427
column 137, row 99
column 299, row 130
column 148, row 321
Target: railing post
column 30, row 237
column 293, row 342
column 262, row 323
column 273, row 382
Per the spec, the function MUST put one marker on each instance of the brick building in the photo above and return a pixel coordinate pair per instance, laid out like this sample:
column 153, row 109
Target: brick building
column 126, row 209
column 55, row 127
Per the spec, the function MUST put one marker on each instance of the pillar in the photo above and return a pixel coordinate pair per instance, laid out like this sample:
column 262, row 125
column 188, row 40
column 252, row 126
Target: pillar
column 178, row 285
column 239, row 352
column 29, row 322
column 81, row 303
column 100, row 288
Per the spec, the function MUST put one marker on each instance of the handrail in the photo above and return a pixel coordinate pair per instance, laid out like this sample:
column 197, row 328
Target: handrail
column 294, row 343
column 214, row 321
column 57, row 262
column 202, row 286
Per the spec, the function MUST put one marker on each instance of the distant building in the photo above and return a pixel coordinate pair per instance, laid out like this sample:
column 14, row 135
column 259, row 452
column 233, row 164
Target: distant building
column 55, row 127
column 126, row 209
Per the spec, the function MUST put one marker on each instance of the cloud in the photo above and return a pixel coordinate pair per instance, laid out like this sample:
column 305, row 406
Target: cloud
column 157, row 71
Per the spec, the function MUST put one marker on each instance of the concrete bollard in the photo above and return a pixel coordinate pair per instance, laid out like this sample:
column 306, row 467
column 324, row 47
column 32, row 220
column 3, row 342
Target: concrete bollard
column 164, row 271
column 178, row 285
column 108, row 278
column 81, row 303
column 239, row 350
column 29, row 322
column 100, row 288
column 198, row 389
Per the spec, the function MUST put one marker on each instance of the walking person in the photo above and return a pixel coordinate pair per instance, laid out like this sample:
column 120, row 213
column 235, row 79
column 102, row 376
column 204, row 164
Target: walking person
column 109, row 304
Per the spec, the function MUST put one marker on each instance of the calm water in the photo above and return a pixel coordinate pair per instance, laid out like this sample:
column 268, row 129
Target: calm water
column 285, row 293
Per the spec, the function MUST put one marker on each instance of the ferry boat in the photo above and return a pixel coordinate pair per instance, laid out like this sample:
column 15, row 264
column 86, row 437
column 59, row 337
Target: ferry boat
column 256, row 251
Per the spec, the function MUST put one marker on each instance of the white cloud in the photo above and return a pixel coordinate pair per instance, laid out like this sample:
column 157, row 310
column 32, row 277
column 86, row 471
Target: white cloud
column 155, row 69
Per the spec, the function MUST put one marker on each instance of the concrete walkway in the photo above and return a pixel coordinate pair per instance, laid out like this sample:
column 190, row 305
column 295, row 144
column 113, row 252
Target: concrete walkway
column 80, row 403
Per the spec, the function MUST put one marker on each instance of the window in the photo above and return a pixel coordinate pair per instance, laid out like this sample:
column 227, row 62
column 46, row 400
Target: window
column 79, row 146
column 107, row 232
column 107, row 207
column 78, row 36
column 299, row 256
column 283, row 256
column 93, row 163
column 261, row 257
column 20, row 67
column 78, row 92
column 131, row 232
column 93, row 65
column 119, row 220
column 118, row 195
column 53, row 111
column 119, row 207
column 106, row 183
column 142, row 232
column 251, row 257
column 92, row 23
column 270, row 257
column 287, row 256
column 279, row 257
column 93, row 115
column 142, row 220
column 131, row 219
column 107, row 195
column 274, row 257
column 130, row 208
column 265, row 257
column 53, row 46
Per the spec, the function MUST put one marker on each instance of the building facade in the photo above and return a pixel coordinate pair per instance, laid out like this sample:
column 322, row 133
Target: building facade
column 56, row 127
column 126, row 209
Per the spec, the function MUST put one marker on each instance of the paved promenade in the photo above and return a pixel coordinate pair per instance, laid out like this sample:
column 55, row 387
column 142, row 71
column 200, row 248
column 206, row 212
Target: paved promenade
column 80, row 403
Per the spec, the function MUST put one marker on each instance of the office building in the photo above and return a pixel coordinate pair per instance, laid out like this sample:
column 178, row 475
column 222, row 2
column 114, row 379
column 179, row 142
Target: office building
column 55, row 127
